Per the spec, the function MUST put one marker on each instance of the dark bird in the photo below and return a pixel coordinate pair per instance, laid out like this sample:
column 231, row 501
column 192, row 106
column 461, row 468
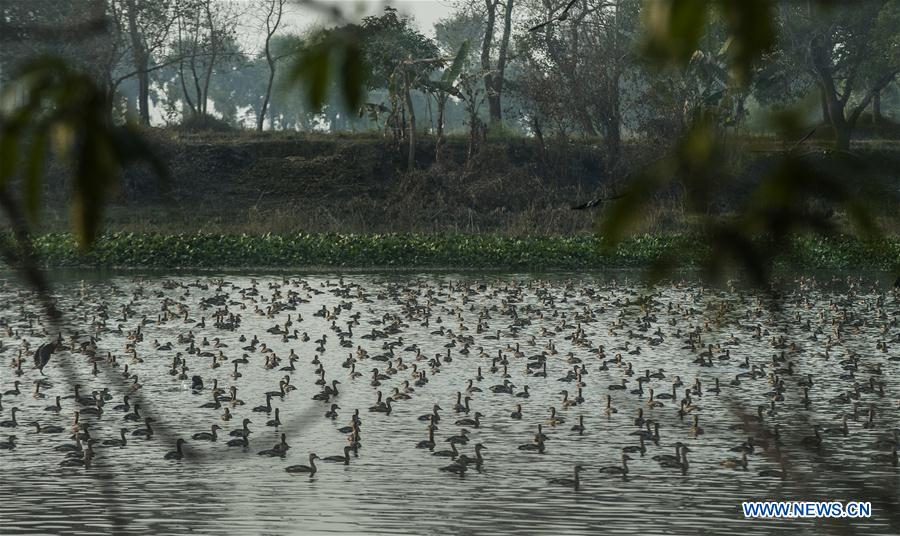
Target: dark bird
column 559, row 18
column 42, row 355
column 595, row 202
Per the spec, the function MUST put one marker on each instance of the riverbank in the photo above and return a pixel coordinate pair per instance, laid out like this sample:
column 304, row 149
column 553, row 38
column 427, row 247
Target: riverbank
column 284, row 183
column 420, row 251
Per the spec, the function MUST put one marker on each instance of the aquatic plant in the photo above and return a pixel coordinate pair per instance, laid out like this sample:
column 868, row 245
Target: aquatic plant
column 453, row 251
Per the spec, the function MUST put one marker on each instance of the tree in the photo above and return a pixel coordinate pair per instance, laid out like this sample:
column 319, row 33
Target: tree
column 493, row 76
column 147, row 25
column 399, row 58
column 442, row 88
column 581, row 57
column 206, row 38
column 273, row 9
column 851, row 51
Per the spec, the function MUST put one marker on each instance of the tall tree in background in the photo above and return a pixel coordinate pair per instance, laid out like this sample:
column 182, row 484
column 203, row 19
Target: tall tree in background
column 493, row 76
column 273, row 9
column 578, row 55
column 852, row 51
column 206, row 38
column 148, row 26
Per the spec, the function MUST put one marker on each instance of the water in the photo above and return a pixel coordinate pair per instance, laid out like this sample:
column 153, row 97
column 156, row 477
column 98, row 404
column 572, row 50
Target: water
column 394, row 488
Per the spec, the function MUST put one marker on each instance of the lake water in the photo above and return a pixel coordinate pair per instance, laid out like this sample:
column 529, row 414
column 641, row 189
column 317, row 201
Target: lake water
column 391, row 487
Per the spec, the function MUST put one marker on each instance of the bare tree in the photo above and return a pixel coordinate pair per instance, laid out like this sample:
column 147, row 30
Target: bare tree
column 493, row 76
column 148, row 25
column 274, row 9
column 204, row 34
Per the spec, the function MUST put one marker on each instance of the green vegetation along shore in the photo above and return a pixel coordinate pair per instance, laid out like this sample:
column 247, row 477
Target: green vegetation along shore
column 418, row 251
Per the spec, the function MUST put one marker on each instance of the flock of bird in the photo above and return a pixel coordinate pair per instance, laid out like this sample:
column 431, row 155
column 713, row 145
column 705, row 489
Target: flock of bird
column 514, row 341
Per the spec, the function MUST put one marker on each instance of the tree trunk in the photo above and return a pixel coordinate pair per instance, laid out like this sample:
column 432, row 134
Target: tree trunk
column 141, row 64
column 841, row 136
column 839, row 124
column 261, row 118
column 213, row 45
column 826, row 119
column 441, row 99
column 613, row 141
column 539, row 136
column 276, row 8
column 494, row 103
column 411, row 118
column 877, row 119
column 487, row 73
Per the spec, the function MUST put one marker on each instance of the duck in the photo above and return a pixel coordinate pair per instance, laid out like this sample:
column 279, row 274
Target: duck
column 456, row 468
column 242, row 441
column 618, row 469
column 121, row 442
column 580, row 426
column 276, row 421
column 12, row 422
column 641, row 448
column 475, row 422
column 267, row 408
column 176, row 454
column 536, row 446
column 433, row 417
column 451, row 453
column 345, row 459
column 814, row 441
column 243, row 431
column 609, row 409
column 207, row 436
column 573, row 482
column 427, row 443
column 9, row 444
column 146, row 432
column 49, row 429
column 736, row 463
column 462, row 438
column 668, row 457
column 304, row 469
column 478, row 461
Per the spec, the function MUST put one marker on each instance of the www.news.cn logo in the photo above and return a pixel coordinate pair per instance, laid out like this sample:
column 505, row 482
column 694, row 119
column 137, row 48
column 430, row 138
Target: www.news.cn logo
column 806, row 509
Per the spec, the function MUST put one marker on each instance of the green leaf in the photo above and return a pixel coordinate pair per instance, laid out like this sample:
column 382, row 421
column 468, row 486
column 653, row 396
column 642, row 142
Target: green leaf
column 674, row 28
column 33, row 179
column 353, row 74
column 8, row 147
column 750, row 25
column 450, row 75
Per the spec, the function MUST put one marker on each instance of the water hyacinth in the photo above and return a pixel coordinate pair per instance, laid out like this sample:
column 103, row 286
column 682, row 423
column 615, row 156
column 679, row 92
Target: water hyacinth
column 411, row 251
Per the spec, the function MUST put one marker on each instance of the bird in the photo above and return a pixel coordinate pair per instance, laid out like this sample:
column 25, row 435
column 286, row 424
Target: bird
column 617, row 469
column 207, row 436
column 43, row 354
column 345, row 459
column 307, row 469
column 176, row 454
column 573, row 482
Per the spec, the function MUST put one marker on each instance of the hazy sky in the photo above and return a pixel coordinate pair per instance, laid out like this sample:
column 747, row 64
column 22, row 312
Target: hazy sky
column 425, row 12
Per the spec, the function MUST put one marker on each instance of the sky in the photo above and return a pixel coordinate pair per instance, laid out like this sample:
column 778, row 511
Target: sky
column 425, row 12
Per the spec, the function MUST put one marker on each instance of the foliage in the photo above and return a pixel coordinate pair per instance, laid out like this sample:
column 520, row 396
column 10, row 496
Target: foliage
column 445, row 251
column 779, row 207
column 674, row 29
column 65, row 109
column 338, row 48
